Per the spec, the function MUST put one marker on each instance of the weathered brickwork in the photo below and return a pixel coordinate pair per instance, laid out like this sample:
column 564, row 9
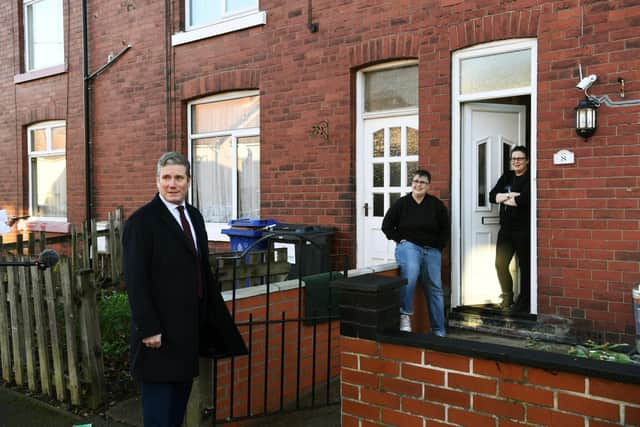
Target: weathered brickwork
column 588, row 213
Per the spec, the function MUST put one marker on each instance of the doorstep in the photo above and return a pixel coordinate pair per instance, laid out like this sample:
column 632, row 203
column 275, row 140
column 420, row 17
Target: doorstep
column 489, row 319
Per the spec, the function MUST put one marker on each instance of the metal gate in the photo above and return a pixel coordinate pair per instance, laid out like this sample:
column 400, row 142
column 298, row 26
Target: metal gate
column 292, row 332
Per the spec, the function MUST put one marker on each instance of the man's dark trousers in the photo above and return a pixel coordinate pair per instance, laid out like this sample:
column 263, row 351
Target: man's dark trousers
column 164, row 404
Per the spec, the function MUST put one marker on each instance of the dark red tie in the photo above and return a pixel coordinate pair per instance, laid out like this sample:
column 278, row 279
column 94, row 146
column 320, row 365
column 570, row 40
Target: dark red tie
column 187, row 231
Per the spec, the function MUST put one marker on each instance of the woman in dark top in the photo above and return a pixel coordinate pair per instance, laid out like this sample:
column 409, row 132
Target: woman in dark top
column 419, row 224
column 513, row 193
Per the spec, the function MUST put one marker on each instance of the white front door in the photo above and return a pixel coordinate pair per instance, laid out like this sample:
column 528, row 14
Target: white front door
column 489, row 132
column 388, row 154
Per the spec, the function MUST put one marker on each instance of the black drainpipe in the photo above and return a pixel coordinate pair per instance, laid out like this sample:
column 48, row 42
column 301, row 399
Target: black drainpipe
column 88, row 80
column 86, row 86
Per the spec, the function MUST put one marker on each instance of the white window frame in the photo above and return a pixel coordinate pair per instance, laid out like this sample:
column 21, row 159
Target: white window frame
column 28, row 67
column 214, row 229
column 47, row 126
column 226, row 24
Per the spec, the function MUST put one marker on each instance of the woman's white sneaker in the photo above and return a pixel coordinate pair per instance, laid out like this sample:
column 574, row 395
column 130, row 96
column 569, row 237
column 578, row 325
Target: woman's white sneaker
column 405, row 323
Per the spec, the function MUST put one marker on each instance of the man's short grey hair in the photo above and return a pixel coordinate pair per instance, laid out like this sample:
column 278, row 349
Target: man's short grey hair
column 173, row 158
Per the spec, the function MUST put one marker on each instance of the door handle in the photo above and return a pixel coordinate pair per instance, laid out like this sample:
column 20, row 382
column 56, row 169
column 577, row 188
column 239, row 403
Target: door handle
column 366, row 208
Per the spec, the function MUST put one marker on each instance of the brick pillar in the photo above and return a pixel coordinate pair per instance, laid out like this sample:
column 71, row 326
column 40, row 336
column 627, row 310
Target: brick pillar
column 369, row 305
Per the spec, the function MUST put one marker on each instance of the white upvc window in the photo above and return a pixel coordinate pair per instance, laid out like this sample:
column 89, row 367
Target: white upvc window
column 43, row 34
column 224, row 148
column 206, row 12
column 210, row 18
column 47, row 171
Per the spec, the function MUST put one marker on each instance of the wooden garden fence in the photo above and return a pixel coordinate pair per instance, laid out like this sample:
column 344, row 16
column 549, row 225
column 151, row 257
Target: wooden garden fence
column 49, row 325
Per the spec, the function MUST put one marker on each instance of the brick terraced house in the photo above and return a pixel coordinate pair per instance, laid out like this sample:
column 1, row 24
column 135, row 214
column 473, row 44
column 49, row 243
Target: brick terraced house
column 317, row 111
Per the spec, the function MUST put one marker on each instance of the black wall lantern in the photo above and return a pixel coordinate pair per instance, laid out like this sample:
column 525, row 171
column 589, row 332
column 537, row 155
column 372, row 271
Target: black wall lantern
column 586, row 115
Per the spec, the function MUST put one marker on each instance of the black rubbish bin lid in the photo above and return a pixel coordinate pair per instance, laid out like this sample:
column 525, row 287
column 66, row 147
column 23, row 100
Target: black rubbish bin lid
column 301, row 229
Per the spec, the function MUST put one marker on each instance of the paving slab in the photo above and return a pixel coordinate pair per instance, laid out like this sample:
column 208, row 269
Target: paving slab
column 20, row 410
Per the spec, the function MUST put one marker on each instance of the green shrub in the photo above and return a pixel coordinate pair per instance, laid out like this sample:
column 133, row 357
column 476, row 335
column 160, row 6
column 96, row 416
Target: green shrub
column 115, row 318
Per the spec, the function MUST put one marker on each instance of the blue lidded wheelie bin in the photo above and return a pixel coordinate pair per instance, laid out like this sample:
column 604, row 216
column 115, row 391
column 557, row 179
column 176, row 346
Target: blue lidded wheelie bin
column 244, row 232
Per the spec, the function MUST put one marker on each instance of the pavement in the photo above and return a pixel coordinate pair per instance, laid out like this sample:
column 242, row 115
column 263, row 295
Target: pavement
column 20, row 410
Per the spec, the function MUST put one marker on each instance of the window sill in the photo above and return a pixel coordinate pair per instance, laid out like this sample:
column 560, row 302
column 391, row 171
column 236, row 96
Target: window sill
column 53, row 226
column 39, row 74
column 234, row 24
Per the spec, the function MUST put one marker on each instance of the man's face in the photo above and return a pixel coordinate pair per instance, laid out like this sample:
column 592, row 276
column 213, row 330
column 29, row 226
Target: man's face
column 173, row 183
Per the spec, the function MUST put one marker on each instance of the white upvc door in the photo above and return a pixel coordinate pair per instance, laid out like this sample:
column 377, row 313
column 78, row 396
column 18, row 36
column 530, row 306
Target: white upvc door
column 388, row 154
column 489, row 133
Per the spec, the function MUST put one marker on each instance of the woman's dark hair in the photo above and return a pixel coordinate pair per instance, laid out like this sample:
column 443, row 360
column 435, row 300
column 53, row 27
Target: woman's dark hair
column 522, row 149
column 423, row 172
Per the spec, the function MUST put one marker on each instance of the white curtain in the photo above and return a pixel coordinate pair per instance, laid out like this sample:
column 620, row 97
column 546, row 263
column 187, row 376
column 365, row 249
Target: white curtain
column 50, row 186
column 213, row 178
column 249, row 177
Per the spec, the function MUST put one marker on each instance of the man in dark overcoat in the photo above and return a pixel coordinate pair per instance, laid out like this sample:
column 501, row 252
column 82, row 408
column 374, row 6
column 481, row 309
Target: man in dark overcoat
column 177, row 311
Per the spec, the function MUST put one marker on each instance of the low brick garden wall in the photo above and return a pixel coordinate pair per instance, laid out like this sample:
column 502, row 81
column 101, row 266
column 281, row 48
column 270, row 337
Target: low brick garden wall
column 392, row 378
column 413, row 384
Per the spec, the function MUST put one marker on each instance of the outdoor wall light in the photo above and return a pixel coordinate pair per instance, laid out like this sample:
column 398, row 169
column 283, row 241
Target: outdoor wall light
column 586, row 117
column 587, row 109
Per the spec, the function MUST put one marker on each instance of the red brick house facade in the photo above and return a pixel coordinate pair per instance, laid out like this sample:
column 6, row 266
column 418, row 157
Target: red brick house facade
column 306, row 119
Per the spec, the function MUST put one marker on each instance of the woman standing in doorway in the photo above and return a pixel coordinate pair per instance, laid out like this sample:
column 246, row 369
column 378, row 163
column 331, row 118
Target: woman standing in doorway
column 513, row 193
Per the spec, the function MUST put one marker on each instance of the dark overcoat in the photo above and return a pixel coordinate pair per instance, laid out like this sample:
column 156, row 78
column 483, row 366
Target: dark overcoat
column 160, row 271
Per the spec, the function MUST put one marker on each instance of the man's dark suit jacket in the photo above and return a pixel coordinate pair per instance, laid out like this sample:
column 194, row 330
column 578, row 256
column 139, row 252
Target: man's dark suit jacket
column 161, row 277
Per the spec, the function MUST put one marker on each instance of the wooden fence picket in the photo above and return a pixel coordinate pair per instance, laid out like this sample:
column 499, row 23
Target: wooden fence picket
column 16, row 325
column 74, row 247
column 70, row 330
column 27, row 324
column 44, row 366
column 19, row 245
column 93, row 240
column 5, row 330
column 86, row 250
column 56, row 349
column 114, row 246
column 31, row 244
column 90, row 338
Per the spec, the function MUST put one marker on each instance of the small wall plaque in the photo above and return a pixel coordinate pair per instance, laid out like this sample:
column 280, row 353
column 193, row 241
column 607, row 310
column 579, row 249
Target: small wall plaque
column 563, row 157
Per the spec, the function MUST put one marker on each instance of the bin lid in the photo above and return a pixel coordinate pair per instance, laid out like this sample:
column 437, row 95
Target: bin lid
column 235, row 232
column 252, row 223
column 301, row 229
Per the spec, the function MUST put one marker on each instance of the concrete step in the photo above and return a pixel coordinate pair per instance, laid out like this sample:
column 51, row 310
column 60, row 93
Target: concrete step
column 491, row 319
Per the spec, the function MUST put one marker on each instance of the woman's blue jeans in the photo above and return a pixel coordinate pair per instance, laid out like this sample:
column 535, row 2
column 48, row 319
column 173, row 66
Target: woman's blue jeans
column 424, row 263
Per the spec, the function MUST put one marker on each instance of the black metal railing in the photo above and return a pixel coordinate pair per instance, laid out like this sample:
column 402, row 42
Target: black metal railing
column 276, row 385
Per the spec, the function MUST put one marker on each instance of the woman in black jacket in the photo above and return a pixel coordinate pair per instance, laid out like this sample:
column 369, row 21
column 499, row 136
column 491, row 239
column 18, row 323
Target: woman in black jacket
column 513, row 193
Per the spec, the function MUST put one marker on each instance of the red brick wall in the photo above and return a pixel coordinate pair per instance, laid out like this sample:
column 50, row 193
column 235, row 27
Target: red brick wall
column 56, row 97
column 280, row 302
column 387, row 384
column 588, row 213
column 588, row 238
